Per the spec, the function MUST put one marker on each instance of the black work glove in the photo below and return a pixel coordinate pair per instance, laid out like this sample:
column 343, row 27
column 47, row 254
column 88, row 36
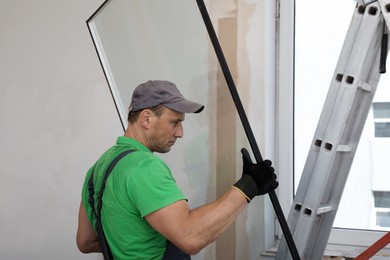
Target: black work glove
column 257, row 179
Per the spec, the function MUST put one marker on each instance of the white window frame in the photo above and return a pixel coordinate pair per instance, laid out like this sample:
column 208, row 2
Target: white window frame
column 285, row 102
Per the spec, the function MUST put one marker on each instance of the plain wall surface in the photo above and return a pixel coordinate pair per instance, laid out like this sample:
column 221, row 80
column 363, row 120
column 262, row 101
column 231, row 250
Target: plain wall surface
column 56, row 117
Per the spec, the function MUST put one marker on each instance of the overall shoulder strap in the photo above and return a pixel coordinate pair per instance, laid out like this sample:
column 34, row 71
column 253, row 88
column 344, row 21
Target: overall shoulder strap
column 108, row 172
column 99, row 228
column 91, row 188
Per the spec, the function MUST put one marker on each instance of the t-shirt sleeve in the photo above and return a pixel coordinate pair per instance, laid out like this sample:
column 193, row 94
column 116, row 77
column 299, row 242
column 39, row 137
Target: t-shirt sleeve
column 153, row 187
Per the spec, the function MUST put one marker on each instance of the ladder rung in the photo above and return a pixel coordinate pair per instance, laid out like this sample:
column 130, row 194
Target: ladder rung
column 325, row 209
column 344, row 148
column 364, row 86
column 320, row 210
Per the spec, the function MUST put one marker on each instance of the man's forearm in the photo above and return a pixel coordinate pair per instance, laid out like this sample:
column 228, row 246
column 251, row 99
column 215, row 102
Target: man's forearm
column 211, row 220
column 192, row 230
column 86, row 238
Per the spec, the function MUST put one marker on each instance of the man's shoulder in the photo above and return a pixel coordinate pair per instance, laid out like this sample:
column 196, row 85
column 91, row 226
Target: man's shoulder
column 142, row 158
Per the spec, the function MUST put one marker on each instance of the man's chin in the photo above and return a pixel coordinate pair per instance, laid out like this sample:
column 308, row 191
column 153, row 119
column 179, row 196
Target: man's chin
column 164, row 150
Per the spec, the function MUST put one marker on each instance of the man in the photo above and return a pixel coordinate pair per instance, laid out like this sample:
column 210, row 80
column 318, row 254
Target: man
column 144, row 213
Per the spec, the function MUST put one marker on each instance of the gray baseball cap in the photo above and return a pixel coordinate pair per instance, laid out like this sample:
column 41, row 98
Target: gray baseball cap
column 161, row 92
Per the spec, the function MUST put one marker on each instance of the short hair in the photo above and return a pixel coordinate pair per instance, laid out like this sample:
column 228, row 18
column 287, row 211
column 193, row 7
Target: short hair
column 133, row 115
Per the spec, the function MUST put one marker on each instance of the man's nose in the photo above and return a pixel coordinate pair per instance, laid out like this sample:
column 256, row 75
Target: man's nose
column 179, row 131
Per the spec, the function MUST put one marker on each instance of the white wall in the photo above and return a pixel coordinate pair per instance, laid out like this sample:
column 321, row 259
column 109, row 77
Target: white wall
column 56, row 117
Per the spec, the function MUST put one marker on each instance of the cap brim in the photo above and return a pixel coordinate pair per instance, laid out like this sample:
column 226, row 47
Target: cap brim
column 185, row 106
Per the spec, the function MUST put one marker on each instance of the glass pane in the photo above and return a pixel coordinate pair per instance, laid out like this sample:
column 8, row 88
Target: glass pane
column 320, row 34
column 381, row 110
column 382, row 199
column 382, row 129
column 141, row 40
column 383, row 219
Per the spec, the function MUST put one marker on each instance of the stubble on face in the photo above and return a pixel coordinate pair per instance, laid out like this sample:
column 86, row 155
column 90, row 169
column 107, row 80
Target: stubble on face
column 165, row 130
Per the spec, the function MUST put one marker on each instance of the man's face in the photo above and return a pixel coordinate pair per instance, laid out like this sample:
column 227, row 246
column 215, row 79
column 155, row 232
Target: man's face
column 164, row 130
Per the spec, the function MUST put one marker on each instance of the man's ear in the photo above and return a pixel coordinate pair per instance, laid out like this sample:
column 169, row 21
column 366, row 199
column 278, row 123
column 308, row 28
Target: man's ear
column 144, row 118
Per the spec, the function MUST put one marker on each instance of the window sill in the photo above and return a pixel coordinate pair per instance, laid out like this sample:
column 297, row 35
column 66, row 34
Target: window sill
column 333, row 251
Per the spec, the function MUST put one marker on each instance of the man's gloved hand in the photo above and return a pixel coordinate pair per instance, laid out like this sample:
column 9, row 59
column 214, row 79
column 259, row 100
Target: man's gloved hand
column 257, row 179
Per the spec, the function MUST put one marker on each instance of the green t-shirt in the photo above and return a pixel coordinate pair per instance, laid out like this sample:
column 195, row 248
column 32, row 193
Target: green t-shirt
column 141, row 183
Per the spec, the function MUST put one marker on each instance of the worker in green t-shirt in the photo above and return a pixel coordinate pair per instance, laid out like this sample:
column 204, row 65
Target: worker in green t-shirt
column 144, row 214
